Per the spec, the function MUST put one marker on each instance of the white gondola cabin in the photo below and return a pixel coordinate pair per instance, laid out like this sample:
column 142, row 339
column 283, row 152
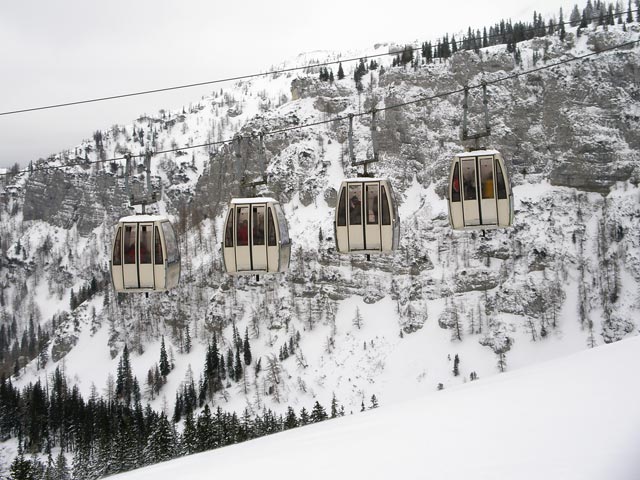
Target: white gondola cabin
column 145, row 255
column 366, row 219
column 479, row 192
column 256, row 237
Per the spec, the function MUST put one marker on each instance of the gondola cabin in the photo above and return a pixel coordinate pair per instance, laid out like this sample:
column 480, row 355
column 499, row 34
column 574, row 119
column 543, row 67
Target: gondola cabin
column 366, row 219
column 256, row 237
column 145, row 255
column 479, row 192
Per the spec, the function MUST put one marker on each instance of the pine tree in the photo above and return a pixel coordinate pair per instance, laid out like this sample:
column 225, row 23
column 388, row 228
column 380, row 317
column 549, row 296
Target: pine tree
column 246, row 347
column 575, row 17
column 290, row 421
column 456, row 364
column 189, row 442
column 334, row 406
column 318, row 414
column 62, row 470
column 357, row 320
column 161, row 442
column 21, row 468
column 304, row 416
column 238, row 367
column 165, row 368
column 187, row 339
column 374, row 401
column 340, row 71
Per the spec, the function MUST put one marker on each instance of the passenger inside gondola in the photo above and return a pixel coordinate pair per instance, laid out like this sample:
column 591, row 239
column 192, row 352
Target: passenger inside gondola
column 354, row 209
column 130, row 247
column 372, row 208
column 243, row 233
column 469, row 184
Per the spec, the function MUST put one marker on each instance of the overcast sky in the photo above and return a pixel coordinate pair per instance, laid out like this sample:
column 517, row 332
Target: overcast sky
column 67, row 50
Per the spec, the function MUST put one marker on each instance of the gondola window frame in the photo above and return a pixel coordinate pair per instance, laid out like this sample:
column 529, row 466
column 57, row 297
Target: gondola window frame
column 158, row 254
column 117, row 248
column 500, row 182
column 228, row 234
column 171, row 243
column 386, row 211
column 342, row 208
column 372, row 211
column 271, row 230
column 455, row 195
column 130, row 230
column 355, row 211
column 145, row 240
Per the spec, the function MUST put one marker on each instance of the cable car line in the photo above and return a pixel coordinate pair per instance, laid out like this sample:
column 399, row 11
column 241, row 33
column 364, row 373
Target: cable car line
column 419, row 99
column 255, row 75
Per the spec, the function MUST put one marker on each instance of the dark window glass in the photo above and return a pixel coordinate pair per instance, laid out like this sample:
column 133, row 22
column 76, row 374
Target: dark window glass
column 258, row 225
column 469, row 179
column 117, row 248
column 342, row 208
column 170, row 243
column 272, row 230
column 455, row 183
column 242, row 236
column 129, row 244
column 502, row 189
column 486, row 177
column 372, row 204
column 355, row 204
column 145, row 243
column 228, row 233
column 386, row 218
column 159, row 258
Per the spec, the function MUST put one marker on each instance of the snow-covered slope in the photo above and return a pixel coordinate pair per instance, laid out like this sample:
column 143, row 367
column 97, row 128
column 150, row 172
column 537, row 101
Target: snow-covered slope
column 572, row 418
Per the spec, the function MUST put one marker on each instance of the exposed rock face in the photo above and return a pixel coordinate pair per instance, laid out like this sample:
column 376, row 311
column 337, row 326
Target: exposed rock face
column 66, row 200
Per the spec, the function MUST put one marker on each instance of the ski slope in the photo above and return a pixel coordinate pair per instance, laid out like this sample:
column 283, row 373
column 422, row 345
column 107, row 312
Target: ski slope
column 572, row 418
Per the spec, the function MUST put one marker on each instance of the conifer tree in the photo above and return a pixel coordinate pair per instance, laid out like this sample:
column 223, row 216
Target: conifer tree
column 21, row 468
column 318, row 414
column 189, row 442
column 456, row 364
column 187, row 339
column 161, row 442
column 340, row 71
column 246, row 347
column 304, row 416
column 290, row 421
column 334, row 406
column 165, row 368
column 238, row 366
column 374, row 401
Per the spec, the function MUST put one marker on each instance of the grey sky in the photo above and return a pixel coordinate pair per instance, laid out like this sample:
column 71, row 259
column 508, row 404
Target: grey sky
column 66, row 50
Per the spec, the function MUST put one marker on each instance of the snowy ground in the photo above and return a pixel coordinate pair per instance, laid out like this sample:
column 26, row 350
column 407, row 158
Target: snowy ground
column 571, row 418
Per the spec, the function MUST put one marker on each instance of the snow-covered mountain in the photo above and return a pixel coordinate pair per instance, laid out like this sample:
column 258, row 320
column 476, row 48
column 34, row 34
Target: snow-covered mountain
column 564, row 278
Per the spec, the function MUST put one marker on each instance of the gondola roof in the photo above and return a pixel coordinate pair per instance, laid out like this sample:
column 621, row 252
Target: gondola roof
column 144, row 218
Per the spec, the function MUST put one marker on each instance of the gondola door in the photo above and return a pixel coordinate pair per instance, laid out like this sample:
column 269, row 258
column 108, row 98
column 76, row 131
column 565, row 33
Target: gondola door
column 488, row 205
column 145, row 250
column 372, row 217
column 258, row 246
column 470, row 202
column 130, row 267
column 356, row 232
column 243, row 250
